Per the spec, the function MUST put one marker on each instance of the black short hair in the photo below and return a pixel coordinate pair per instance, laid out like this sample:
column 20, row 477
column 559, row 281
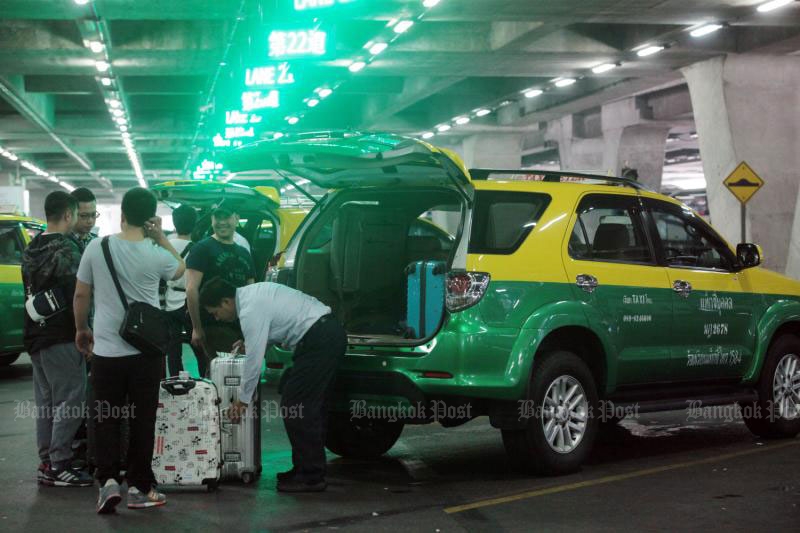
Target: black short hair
column 222, row 212
column 82, row 194
column 138, row 206
column 57, row 203
column 184, row 218
column 215, row 290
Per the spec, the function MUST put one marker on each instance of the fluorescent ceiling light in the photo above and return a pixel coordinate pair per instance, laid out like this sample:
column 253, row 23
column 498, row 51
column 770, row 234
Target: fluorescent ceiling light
column 114, row 103
column 277, row 135
column 482, row 112
column 121, row 120
column 101, row 66
column 774, row 4
column 312, row 102
column 377, row 48
column 429, row 3
column 403, row 26
column 356, row 66
column 605, row 67
column 391, row 23
column 324, row 93
column 705, row 30
column 565, row 82
column 649, row 50
column 292, row 120
column 428, row 135
column 106, row 81
column 81, row 2
column 123, row 128
column 442, row 128
column 461, row 120
column 117, row 112
column 67, row 186
column 533, row 93
column 96, row 46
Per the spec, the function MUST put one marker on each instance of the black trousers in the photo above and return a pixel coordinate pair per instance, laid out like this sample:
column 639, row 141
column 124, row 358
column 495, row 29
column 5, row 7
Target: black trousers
column 114, row 378
column 307, row 392
column 181, row 333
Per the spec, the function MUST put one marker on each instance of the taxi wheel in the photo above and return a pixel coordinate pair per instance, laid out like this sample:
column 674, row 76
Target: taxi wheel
column 6, row 360
column 361, row 439
column 776, row 413
column 561, row 425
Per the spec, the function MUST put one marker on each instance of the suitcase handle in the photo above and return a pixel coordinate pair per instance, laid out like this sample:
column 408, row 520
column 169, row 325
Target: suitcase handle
column 177, row 386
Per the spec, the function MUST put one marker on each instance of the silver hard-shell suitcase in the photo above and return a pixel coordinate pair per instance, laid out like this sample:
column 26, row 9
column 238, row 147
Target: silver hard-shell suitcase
column 187, row 449
column 241, row 442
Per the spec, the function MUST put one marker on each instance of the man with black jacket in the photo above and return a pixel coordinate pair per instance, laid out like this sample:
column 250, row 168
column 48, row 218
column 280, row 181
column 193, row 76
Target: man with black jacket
column 50, row 263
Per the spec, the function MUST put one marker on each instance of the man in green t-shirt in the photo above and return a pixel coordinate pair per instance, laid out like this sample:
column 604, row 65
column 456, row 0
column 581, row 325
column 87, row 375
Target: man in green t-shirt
column 216, row 256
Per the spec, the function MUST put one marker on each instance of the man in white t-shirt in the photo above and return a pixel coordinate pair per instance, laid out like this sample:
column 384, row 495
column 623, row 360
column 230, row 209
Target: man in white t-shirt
column 184, row 218
column 142, row 256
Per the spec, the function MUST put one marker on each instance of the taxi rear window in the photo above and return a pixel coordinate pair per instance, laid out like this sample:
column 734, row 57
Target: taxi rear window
column 502, row 220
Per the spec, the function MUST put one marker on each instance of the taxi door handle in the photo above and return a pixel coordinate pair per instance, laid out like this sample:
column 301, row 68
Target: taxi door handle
column 587, row 282
column 683, row 288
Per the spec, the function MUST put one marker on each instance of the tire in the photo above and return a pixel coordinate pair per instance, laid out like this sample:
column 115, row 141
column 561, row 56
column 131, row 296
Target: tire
column 529, row 448
column 8, row 359
column 776, row 413
column 361, row 439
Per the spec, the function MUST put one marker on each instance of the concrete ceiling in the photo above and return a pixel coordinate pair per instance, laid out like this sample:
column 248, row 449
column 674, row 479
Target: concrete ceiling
column 178, row 65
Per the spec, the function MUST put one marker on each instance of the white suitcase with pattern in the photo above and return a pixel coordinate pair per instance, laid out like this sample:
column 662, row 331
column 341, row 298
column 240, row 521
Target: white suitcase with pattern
column 187, row 438
column 241, row 442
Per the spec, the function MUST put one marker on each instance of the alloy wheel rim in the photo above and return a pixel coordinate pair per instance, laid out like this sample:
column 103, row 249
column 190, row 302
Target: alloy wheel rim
column 565, row 413
column 786, row 387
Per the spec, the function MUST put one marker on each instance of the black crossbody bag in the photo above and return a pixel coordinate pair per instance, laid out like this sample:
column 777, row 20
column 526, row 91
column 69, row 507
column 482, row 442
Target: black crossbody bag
column 145, row 327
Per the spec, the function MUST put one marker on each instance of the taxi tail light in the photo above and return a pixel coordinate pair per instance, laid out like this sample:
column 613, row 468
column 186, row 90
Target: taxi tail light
column 465, row 289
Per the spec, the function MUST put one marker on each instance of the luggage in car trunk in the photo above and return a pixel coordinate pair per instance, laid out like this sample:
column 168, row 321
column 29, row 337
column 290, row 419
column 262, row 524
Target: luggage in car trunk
column 241, row 442
column 186, row 452
column 425, row 304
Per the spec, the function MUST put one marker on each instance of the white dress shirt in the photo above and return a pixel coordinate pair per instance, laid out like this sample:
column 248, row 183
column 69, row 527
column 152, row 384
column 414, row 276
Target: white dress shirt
column 270, row 313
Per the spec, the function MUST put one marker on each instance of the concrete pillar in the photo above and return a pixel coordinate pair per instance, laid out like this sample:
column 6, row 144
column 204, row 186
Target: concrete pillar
column 575, row 153
column 495, row 150
column 642, row 147
column 747, row 108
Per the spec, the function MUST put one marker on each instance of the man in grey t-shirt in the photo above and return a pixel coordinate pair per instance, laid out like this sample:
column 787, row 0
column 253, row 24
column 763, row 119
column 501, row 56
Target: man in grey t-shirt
column 142, row 257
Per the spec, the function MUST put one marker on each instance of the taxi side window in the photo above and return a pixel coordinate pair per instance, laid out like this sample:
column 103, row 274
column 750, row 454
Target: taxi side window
column 609, row 229
column 10, row 246
column 686, row 243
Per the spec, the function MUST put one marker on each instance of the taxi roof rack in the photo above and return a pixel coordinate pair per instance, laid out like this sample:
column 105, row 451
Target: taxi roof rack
column 555, row 176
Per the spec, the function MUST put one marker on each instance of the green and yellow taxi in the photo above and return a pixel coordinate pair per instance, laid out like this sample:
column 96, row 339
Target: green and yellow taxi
column 570, row 300
column 16, row 231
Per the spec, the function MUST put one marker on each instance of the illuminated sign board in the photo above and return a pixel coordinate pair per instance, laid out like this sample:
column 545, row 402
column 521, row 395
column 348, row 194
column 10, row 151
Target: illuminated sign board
column 237, row 132
column 207, row 169
column 252, row 100
column 304, row 5
column 270, row 76
column 238, row 118
column 297, row 43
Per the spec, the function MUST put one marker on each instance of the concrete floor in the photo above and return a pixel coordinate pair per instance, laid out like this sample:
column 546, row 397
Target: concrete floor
column 658, row 472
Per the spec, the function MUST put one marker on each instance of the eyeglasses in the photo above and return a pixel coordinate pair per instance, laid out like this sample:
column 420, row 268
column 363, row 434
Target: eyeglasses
column 88, row 216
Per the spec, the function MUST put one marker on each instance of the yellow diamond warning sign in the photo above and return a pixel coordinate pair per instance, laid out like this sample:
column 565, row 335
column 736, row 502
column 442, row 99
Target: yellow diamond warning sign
column 743, row 182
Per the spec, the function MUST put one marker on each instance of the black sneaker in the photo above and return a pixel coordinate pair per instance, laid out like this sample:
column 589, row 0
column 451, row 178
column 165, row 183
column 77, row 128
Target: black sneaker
column 298, row 485
column 284, row 476
column 41, row 473
column 67, row 477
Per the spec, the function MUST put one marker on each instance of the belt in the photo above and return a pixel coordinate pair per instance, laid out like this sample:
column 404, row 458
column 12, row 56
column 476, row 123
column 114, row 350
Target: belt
column 320, row 321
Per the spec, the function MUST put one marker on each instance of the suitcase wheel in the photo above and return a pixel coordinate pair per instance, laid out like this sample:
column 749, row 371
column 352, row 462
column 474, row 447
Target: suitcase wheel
column 212, row 485
column 248, row 477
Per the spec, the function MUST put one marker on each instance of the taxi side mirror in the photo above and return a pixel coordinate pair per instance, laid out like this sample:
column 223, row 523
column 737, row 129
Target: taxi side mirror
column 748, row 254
